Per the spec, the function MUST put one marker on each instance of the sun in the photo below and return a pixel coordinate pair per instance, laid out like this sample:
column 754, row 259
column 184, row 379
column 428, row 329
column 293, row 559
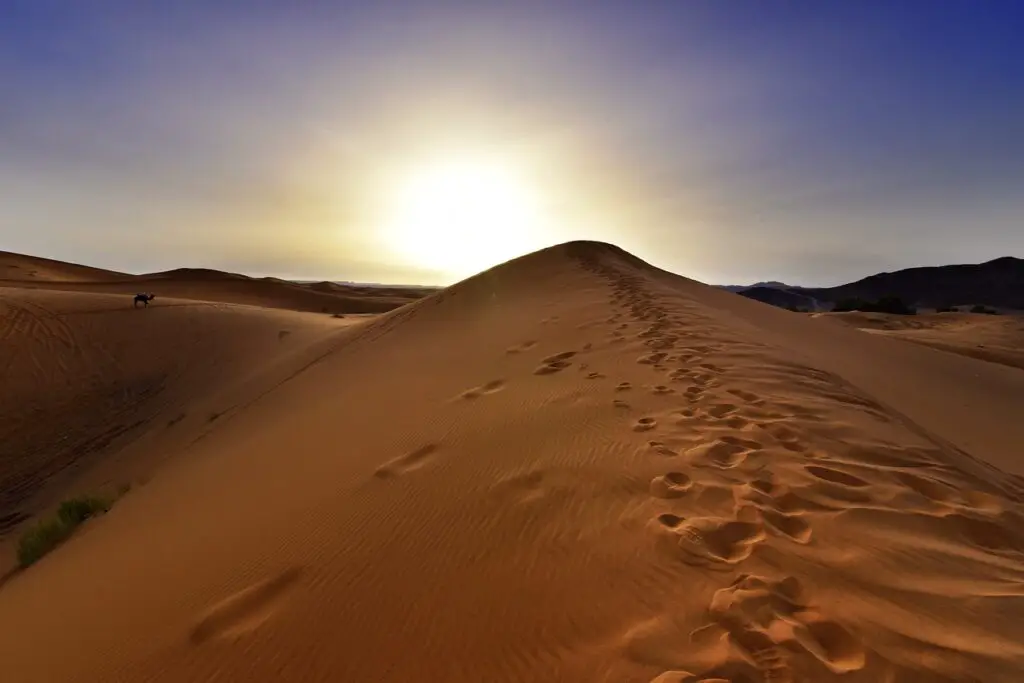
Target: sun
column 461, row 216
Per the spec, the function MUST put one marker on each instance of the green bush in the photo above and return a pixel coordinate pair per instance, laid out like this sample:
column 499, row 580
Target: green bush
column 47, row 534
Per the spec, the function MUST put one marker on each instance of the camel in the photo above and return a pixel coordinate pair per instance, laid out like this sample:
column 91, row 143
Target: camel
column 144, row 298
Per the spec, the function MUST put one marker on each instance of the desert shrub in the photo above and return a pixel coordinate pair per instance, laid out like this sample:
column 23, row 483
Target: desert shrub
column 74, row 511
column 979, row 308
column 47, row 534
column 41, row 539
column 946, row 309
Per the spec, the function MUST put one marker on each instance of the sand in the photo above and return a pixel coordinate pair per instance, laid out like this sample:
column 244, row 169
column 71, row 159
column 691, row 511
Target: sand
column 203, row 284
column 573, row 467
column 97, row 393
column 993, row 338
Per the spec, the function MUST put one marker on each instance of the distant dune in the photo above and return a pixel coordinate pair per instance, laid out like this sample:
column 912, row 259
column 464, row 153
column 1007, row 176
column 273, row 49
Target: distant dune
column 993, row 338
column 203, row 284
column 571, row 467
column 32, row 269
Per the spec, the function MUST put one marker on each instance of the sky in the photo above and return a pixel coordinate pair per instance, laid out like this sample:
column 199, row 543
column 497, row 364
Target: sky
column 809, row 141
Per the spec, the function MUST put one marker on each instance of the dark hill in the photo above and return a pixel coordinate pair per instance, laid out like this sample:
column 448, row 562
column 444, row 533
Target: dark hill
column 783, row 298
column 999, row 282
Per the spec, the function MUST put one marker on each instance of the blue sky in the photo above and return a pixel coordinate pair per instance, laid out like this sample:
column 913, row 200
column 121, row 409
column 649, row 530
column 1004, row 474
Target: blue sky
column 808, row 141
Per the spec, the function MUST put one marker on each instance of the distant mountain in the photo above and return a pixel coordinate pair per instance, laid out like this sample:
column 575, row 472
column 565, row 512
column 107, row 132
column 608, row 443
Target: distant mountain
column 771, row 283
column 999, row 283
column 792, row 298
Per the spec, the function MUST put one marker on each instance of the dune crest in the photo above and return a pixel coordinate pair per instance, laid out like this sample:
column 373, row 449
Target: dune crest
column 571, row 467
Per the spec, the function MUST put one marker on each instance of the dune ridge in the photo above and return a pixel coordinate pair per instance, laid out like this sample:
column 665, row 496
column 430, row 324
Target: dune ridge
column 571, row 467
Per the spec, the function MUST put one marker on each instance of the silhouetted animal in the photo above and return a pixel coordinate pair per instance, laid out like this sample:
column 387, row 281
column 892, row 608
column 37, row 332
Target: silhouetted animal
column 144, row 298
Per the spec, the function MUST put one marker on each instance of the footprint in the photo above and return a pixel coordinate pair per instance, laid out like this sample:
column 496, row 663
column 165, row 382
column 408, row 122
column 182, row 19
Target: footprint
column 793, row 526
column 716, row 540
column 661, row 390
column 983, row 533
column 765, row 486
column 749, row 444
column 405, row 463
column 623, row 386
column 721, row 410
column 832, row 645
column 751, row 398
column 551, row 368
column 619, row 403
column 752, row 598
column 929, row 488
column 661, row 449
column 645, row 424
column 679, row 375
column 745, row 612
column 835, row 476
column 670, row 521
column 701, row 380
column 719, row 453
column 683, row 677
column 246, row 610
column 760, row 650
column 736, row 422
column 519, row 348
column 671, row 485
column 787, row 437
column 558, row 357
column 489, row 388
column 595, row 375
column 694, row 394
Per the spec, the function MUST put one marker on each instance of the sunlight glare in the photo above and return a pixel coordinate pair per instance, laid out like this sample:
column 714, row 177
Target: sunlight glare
column 460, row 217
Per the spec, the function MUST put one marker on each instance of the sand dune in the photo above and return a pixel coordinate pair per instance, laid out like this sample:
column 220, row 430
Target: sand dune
column 33, row 269
column 87, row 374
column 993, row 338
column 203, row 284
column 573, row 467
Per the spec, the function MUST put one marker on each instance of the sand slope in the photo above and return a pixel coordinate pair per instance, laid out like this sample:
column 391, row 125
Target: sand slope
column 86, row 375
column 32, row 269
column 570, row 468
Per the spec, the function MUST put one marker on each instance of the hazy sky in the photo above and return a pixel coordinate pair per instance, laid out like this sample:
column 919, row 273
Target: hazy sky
column 811, row 141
